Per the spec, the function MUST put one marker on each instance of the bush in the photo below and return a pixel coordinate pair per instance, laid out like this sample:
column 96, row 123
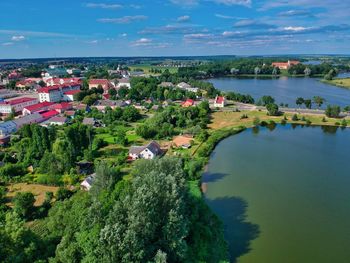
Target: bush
column 10, row 170
column 49, row 179
column 344, row 123
column 295, row 117
column 24, row 204
column 256, row 121
column 63, row 194
column 332, row 111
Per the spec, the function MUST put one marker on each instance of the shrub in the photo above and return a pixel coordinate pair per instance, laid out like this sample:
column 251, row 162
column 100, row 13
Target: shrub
column 256, row 121
column 295, row 117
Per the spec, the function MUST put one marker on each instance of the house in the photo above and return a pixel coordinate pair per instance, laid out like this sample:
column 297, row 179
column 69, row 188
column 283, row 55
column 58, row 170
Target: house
column 27, row 84
column 61, row 107
column 88, row 182
column 166, row 85
column 29, row 119
column 124, row 82
column 56, row 120
column 104, row 83
column 7, row 127
column 187, row 87
column 187, row 103
column 89, row 121
column 16, row 105
column 69, row 95
column 62, row 81
column 150, row 151
column 101, row 105
column 47, row 114
column 219, row 102
column 285, row 65
column 42, row 106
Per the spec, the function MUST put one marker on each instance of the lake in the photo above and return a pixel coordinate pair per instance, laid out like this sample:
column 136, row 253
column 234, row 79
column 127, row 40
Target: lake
column 284, row 89
column 283, row 195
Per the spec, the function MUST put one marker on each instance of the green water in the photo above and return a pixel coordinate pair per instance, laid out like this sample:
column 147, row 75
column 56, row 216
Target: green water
column 283, row 195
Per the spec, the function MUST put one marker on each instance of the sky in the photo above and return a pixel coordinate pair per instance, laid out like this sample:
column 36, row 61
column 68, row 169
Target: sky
column 74, row 28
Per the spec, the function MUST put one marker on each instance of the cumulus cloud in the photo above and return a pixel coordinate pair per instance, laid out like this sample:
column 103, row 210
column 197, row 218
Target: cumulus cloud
column 141, row 42
column 123, row 20
column 18, row 38
column 103, row 5
column 183, row 19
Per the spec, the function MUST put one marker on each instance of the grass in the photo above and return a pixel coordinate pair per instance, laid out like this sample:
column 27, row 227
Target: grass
column 233, row 119
column 37, row 189
column 343, row 83
column 146, row 68
column 194, row 189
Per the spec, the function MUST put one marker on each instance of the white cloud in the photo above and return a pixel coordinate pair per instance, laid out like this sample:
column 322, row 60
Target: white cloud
column 183, row 18
column 17, row 38
column 186, row 3
column 141, row 42
column 224, row 16
column 103, row 5
column 295, row 28
column 246, row 3
column 123, row 35
column 95, row 41
column 7, row 44
column 123, row 20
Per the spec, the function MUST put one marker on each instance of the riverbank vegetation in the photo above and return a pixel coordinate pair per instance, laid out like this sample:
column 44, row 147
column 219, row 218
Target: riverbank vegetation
column 339, row 82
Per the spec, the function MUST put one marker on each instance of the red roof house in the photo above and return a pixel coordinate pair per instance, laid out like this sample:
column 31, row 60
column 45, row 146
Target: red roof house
column 188, row 103
column 219, row 101
column 48, row 114
column 36, row 107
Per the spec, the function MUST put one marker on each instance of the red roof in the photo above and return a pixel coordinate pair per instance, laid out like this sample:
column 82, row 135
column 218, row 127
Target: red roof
column 38, row 106
column 106, row 96
column 72, row 92
column 48, row 89
column 98, row 82
column 49, row 114
column 220, row 99
column 59, row 81
column 17, row 101
column 188, row 102
column 60, row 106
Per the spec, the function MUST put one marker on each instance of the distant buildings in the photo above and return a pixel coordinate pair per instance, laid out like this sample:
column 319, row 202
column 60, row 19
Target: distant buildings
column 56, row 93
column 124, row 82
column 285, row 65
column 104, row 83
column 150, row 151
column 187, row 87
column 42, row 106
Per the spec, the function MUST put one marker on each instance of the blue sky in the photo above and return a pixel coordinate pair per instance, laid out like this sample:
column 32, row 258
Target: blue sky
column 52, row 28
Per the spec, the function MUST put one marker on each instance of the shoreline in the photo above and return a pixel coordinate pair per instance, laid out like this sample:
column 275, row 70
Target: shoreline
column 334, row 83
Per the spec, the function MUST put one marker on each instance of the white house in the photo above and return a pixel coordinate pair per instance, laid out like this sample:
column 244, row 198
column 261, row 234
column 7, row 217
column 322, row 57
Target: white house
column 219, row 102
column 150, row 151
column 124, row 82
column 69, row 95
column 186, row 86
column 50, row 94
column 16, row 105
column 88, row 182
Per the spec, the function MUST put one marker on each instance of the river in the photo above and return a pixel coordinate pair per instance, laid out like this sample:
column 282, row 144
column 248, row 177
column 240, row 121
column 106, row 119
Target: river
column 285, row 90
column 283, row 194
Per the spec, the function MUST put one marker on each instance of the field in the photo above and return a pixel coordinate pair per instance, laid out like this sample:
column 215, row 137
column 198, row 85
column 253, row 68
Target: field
column 344, row 83
column 233, row 119
column 146, row 68
column 37, row 189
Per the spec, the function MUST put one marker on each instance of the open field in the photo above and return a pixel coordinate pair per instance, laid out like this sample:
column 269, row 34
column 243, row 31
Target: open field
column 37, row 189
column 344, row 83
column 233, row 119
column 146, row 68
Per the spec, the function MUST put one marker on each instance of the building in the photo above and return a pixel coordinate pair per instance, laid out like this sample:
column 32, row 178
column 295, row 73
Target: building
column 124, row 82
column 101, row 105
column 16, row 105
column 219, row 102
column 29, row 119
column 166, row 85
column 88, row 182
column 187, row 103
column 187, row 87
column 285, row 65
column 56, row 120
column 61, row 107
column 27, row 84
column 50, row 94
column 56, row 93
column 62, row 81
column 69, row 95
column 7, row 127
column 47, row 114
column 104, row 83
column 42, row 106
column 150, row 151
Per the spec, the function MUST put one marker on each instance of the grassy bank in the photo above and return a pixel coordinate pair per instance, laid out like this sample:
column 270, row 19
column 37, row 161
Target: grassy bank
column 343, row 83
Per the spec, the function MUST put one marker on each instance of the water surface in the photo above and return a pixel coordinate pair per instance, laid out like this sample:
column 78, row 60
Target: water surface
column 283, row 195
column 284, row 89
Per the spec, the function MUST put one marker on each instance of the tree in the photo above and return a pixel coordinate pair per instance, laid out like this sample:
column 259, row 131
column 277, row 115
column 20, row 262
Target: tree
column 308, row 103
column 265, row 100
column 332, row 111
column 299, row 101
column 272, row 109
column 318, row 101
column 24, row 204
column 134, row 231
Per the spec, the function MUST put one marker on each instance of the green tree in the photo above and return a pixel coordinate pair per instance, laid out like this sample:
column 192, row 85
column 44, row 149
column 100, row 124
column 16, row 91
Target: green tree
column 318, row 101
column 272, row 109
column 24, row 204
column 299, row 101
column 332, row 111
column 308, row 103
